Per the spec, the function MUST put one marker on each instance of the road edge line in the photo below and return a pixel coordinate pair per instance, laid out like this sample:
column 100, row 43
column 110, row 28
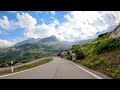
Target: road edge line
column 20, row 71
column 86, row 70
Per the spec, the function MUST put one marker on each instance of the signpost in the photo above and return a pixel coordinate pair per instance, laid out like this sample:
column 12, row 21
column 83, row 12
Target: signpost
column 11, row 66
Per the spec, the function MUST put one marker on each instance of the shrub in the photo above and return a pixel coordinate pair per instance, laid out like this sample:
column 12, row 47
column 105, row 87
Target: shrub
column 107, row 45
column 59, row 54
column 79, row 54
column 94, row 61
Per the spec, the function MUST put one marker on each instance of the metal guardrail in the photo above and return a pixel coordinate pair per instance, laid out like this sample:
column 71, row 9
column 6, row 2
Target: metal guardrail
column 16, row 66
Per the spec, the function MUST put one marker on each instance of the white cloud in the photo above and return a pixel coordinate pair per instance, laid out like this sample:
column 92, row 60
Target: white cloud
column 42, row 20
column 7, row 24
column 54, row 21
column 12, row 11
column 41, row 31
column 78, row 25
column 38, row 11
column 26, row 21
column 4, row 23
column 83, row 24
column 5, row 43
column 53, row 12
column 67, row 17
column 36, row 31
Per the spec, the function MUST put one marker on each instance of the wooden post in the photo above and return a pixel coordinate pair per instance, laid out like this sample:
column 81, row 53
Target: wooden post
column 11, row 66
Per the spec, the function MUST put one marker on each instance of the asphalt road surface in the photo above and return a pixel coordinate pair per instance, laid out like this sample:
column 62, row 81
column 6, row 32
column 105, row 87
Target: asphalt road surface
column 59, row 68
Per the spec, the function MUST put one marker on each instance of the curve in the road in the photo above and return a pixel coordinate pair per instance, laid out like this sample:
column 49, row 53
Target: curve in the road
column 59, row 68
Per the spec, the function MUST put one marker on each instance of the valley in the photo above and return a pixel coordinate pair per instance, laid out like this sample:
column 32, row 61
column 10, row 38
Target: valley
column 80, row 44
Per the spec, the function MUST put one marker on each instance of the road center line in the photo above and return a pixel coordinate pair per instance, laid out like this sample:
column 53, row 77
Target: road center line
column 57, row 70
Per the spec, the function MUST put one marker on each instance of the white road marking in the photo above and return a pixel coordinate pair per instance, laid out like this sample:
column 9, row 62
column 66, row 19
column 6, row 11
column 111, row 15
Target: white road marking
column 43, row 64
column 87, row 71
column 20, row 71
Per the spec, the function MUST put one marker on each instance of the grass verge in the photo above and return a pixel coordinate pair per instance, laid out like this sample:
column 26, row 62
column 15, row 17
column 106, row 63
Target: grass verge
column 26, row 66
column 102, row 55
column 103, row 63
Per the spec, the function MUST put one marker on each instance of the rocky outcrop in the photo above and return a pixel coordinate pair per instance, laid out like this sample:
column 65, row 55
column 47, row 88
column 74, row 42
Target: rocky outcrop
column 68, row 54
column 115, row 33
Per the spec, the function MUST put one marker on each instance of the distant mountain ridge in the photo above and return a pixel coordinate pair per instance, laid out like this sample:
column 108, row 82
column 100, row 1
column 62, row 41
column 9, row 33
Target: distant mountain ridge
column 50, row 39
column 31, row 49
column 31, row 40
column 44, row 40
column 110, row 29
column 53, row 39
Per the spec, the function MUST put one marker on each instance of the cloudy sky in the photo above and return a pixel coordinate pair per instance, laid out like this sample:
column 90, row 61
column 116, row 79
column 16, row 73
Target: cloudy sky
column 16, row 26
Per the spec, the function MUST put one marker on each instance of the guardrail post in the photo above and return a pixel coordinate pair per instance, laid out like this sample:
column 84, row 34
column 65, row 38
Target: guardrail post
column 12, row 66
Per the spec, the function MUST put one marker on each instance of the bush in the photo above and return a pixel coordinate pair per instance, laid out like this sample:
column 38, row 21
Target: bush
column 25, row 61
column 107, row 45
column 95, row 61
column 59, row 54
column 79, row 54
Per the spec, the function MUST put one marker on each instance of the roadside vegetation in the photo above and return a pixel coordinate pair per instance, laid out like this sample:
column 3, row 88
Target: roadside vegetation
column 102, row 54
column 21, row 56
column 27, row 66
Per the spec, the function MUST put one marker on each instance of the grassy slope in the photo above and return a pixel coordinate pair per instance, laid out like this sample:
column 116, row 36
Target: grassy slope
column 26, row 66
column 28, row 52
column 7, row 55
column 102, row 55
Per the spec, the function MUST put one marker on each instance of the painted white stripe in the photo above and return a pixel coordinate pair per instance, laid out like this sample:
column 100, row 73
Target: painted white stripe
column 87, row 71
column 20, row 71
column 43, row 64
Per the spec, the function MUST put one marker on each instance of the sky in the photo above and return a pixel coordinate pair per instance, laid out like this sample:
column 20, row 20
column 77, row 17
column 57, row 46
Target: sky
column 16, row 26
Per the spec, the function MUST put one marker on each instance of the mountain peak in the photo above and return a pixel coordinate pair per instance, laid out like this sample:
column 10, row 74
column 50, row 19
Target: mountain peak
column 50, row 39
column 53, row 36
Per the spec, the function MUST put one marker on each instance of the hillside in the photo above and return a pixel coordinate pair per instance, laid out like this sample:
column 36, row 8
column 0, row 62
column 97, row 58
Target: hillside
column 115, row 33
column 102, row 54
column 32, row 49
column 31, row 40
